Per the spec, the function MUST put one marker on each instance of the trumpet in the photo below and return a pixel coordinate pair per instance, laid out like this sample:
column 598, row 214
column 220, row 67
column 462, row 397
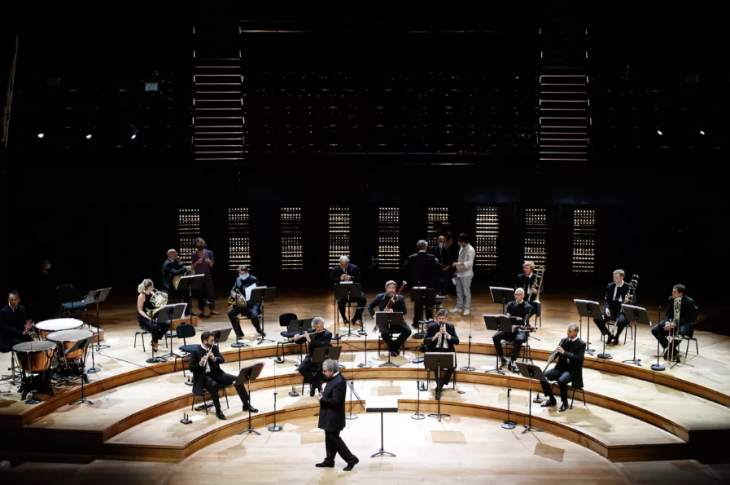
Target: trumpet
column 674, row 327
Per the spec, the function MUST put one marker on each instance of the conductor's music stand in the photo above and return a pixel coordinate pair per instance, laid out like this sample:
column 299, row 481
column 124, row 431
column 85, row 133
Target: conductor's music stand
column 589, row 309
column 638, row 315
column 436, row 362
column 263, row 295
column 385, row 320
column 190, row 283
column 497, row 323
column 382, row 410
column 82, row 345
column 531, row 372
column 502, row 295
column 427, row 298
column 248, row 374
column 347, row 290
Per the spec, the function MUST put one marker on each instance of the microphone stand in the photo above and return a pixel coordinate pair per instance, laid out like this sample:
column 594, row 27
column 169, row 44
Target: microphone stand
column 417, row 414
column 274, row 427
column 658, row 366
column 352, row 390
column 366, row 364
column 468, row 366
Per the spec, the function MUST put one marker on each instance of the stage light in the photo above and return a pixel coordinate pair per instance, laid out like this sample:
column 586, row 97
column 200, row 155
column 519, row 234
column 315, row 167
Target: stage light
column 702, row 132
column 658, row 132
column 88, row 137
column 134, row 135
column 41, row 135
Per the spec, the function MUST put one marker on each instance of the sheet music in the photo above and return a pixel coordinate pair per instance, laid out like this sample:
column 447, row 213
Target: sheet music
column 248, row 291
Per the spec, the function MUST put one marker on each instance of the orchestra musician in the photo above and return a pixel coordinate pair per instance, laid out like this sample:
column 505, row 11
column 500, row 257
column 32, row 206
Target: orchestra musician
column 171, row 268
column 15, row 327
column 421, row 269
column 441, row 337
column 687, row 317
column 615, row 296
column 464, row 274
column 569, row 368
column 205, row 364
column 202, row 262
column 156, row 329
column 348, row 272
column 244, row 280
column 527, row 280
column 519, row 312
column 404, row 330
column 445, row 258
column 310, row 370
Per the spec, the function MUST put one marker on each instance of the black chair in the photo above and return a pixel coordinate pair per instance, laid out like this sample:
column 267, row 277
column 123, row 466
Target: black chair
column 284, row 320
column 689, row 339
column 184, row 331
column 13, row 377
column 66, row 296
column 142, row 332
column 205, row 403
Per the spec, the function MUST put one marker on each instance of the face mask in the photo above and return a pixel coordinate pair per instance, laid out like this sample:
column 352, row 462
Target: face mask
column 200, row 248
column 244, row 276
column 442, row 245
column 48, row 266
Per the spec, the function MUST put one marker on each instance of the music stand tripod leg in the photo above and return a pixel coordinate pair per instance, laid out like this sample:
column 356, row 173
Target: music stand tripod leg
column 382, row 451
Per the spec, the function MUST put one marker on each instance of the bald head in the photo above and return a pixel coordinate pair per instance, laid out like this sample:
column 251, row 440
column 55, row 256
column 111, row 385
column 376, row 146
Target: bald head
column 172, row 254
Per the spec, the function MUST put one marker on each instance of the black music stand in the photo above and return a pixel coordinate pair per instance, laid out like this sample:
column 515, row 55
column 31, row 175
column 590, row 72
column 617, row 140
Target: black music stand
column 190, row 283
column 263, row 295
column 221, row 335
column 658, row 366
column 385, row 320
column 381, row 410
column 176, row 311
column 589, row 309
column 323, row 353
column 438, row 361
column 532, row 372
column 427, row 298
column 365, row 364
column 502, row 295
column 248, row 374
column 497, row 323
column 165, row 314
column 346, row 290
column 96, row 296
column 352, row 391
column 83, row 345
column 638, row 315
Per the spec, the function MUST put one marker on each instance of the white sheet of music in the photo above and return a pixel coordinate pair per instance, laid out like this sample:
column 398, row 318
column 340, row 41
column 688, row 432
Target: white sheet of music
column 248, row 291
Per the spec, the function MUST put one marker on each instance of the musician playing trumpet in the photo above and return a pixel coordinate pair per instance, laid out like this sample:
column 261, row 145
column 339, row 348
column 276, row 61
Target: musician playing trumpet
column 404, row 330
column 519, row 312
column 687, row 317
column 569, row 368
column 144, row 307
column 244, row 280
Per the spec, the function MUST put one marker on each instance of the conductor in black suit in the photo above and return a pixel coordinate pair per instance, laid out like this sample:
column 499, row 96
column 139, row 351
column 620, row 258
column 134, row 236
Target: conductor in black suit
column 348, row 272
column 171, row 268
column 205, row 364
column 421, row 269
column 613, row 299
column 441, row 337
column 381, row 301
column 310, row 370
column 332, row 416
column 569, row 369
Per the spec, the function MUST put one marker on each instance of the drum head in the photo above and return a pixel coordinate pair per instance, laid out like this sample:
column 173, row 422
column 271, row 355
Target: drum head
column 36, row 346
column 69, row 335
column 58, row 324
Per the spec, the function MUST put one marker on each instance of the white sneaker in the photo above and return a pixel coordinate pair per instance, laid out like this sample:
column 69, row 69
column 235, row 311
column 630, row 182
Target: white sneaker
column 454, row 310
column 466, row 312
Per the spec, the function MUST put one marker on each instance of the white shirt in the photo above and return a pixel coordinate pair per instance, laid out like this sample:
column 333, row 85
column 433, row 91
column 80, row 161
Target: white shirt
column 466, row 261
column 207, row 362
column 615, row 289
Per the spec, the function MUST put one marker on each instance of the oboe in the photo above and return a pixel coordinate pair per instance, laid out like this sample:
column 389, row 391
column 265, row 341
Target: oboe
column 553, row 356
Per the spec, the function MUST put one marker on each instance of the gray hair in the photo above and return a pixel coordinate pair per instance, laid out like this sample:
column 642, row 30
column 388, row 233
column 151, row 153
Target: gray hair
column 620, row 272
column 574, row 326
column 390, row 282
column 519, row 289
column 317, row 320
column 345, row 259
column 442, row 312
column 331, row 365
column 422, row 244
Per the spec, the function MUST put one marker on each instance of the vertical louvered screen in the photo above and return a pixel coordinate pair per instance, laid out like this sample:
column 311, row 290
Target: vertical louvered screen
column 389, row 238
column 292, row 256
column 239, row 238
column 584, row 241
column 188, row 228
column 436, row 215
column 339, row 233
column 487, row 233
column 536, row 234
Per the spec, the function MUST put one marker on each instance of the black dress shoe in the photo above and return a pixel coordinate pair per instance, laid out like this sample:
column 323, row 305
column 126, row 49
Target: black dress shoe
column 325, row 464
column 503, row 361
column 345, row 321
column 220, row 415
column 394, row 353
column 563, row 407
column 248, row 407
column 351, row 465
column 311, row 392
column 548, row 404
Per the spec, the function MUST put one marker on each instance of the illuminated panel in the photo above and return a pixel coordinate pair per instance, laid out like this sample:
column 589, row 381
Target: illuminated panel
column 388, row 238
column 584, row 241
column 536, row 233
column 291, row 238
column 239, row 238
column 436, row 215
column 487, row 232
column 188, row 228
column 339, row 232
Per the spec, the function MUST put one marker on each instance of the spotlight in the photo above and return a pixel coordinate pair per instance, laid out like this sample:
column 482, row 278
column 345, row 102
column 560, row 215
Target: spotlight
column 134, row 136
column 702, row 132
column 41, row 135
column 658, row 132
column 88, row 137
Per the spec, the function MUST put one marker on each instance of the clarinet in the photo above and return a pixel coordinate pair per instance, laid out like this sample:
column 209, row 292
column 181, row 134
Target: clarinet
column 553, row 356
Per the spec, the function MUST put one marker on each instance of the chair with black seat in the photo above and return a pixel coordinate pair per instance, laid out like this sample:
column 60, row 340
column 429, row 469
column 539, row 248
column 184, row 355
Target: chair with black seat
column 205, row 402
column 4, row 349
column 66, row 297
column 141, row 332
column 691, row 338
column 284, row 320
column 184, row 331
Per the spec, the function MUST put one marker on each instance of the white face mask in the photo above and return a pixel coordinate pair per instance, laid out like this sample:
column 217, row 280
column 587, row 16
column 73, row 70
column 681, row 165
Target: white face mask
column 244, row 276
column 48, row 266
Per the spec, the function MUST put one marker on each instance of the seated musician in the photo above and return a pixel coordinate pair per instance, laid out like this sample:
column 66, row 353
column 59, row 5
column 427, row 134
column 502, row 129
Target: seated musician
column 343, row 272
column 527, row 280
column 244, row 280
column 381, row 301
column 519, row 312
column 144, row 306
column 171, row 268
column 687, row 316
column 310, row 370
column 569, row 369
column 205, row 364
column 612, row 300
column 15, row 327
column 441, row 337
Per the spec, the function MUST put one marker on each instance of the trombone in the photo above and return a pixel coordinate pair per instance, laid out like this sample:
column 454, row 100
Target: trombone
column 674, row 328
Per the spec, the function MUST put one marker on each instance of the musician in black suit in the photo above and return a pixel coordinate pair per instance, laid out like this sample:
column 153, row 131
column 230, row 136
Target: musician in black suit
column 205, row 364
column 569, row 368
column 332, row 416
column 441, row 337
column 519, row 312
column 381, row 301
column 244, row 280
column 345, row 272
column 615, row 296
column 445, row 257
column 171, row 268
column 687, row 317
column 310, row 370
column 526, row 280
column 14, row 322
column 421, row 269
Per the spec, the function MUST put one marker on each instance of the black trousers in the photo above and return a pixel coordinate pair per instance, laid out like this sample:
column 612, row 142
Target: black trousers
column 334, row 444
column 157, row 330
column 404, row 330
column 517, row 337
column 361, row 303
column 563, row 378
column 418, row 309
column 206, row 295
column 312, row 372
column 621, row 324
column 174, row 295
column 250, row 311
column 213, row 383
column 685, row 329
column 11, row 340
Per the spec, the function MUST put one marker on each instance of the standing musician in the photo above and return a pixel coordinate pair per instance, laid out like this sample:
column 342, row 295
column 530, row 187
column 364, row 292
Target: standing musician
column 202, row 264
column 464, row 274
column 244, row 280
column 15, row 327
column 612, row 300
column 519, row 312
column 344, row 272
column 144, row 305
column 445, row 258
column 381, row 301
column 205, row 364
column 171, row 268
column 332, row 416
column 570, row 353
column 421, row 269
column 527, row 280
column 310, row 370
column 441, row 337
column 687, row 317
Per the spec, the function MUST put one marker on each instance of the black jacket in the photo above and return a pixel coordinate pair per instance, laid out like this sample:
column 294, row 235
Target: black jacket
column 199, row 372
column 431, row 342
column 421, row 269
column 242, row 284
column 12, row 324
column 610, row 303
column 317, row 340
column 352, row 270
column 524, row 311
column 170, row 268
column 332, row 404
column 573, row 361
column 381, row 301
column 687, row 312
column 526, row 283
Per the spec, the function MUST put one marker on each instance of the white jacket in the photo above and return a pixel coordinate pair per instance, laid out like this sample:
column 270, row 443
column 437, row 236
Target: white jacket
column 466, row 261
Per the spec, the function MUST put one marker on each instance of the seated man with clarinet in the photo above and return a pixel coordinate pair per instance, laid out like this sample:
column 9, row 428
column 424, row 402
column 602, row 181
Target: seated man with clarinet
column 617, row 293
column 317, row 338
column 678, row 319
column 569, row 368
column 240, row 306
column 519, row 312
column 343, row 273
column 441, row 337
column 393, row 302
